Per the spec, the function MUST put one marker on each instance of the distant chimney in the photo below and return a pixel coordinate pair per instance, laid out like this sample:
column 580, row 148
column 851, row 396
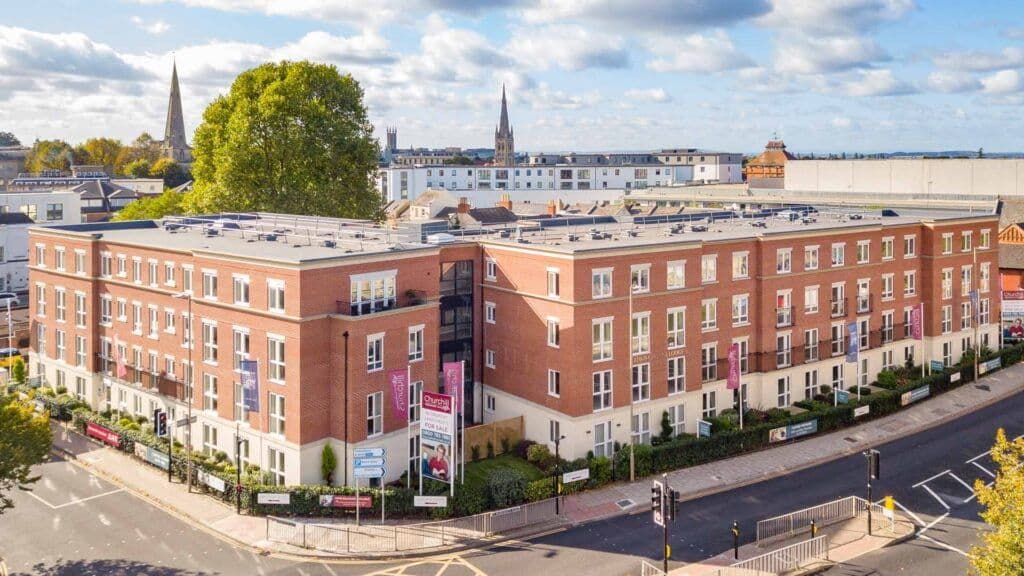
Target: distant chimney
column 463, row 205
column 505, row 201
column 552, row 207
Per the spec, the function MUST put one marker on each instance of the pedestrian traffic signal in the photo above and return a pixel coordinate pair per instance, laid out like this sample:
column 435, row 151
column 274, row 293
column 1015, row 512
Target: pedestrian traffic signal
column 658, row 502
column 873, row 462
column 672, row 504
column 160, row 423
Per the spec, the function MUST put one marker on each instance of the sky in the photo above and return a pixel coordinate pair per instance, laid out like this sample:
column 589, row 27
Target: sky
column 585, row 75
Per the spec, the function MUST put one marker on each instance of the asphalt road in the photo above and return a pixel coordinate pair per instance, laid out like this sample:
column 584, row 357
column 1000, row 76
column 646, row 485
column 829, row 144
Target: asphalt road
column 74, row 523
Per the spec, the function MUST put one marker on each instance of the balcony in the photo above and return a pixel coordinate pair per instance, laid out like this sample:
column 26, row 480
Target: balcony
column 838, row 308
column 863, row 304
column 364, row 307
column 783, row 317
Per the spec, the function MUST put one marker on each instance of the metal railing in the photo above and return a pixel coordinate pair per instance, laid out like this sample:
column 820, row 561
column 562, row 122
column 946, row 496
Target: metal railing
column 784, row 559
column 350, row 539
column 823, row 515
column 648, row 569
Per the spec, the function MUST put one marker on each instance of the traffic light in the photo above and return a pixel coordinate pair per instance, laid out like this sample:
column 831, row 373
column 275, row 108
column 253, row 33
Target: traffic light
column 658, row 493
column 672, row 504
column 656, row 497
column 160, row 423
column 873, row 462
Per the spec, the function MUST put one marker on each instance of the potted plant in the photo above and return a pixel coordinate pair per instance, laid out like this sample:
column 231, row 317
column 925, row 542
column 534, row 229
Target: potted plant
column 415, row 296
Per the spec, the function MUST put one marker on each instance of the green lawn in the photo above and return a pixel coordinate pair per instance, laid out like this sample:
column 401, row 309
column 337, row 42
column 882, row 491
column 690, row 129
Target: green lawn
column 477, row 472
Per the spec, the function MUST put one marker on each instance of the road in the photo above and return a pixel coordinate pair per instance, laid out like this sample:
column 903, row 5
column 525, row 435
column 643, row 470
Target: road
column 74, row 523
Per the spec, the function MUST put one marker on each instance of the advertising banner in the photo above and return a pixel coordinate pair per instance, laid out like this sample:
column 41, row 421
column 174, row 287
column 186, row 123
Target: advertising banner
column 102, row 434
column 453, row 382
column 784, row 433
column 862, row 411
column 842, row 396
column 974, row 306
column 250, row 379
column 853, row 343
column 916, row 322
column 153, row 456
column 915, row 395
column 216, row 483
column 430, row 501
column 399, row 382
column 704, row 429
column 436, row 433
column 343, row 501
column 733, row 381
column 273, row 498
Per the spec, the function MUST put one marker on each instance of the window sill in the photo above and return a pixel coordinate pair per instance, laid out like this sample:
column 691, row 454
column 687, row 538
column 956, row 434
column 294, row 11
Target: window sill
column 373, row 370
column 741, row 324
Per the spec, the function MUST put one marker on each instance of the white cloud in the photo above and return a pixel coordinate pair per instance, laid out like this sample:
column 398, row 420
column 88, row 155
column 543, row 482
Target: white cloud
column 657, row 95
column 544, row 97
column 29, row 53
column 822, row 55
column 1003, row 82
column 156, row 27
column 841, row 122
column 835, row 16
column 568, row 47
column 1009, row 57
column 696, row 53
column 877, row 83
column 645, row 15
column 952, row 81
column 349, row 11
column 451, row 55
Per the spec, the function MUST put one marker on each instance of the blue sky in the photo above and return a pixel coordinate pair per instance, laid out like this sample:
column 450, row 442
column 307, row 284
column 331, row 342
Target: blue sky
column 850, row 75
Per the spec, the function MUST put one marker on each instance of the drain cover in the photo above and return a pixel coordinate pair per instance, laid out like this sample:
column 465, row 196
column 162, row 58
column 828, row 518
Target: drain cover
column 984, row 387
column 850, row 440
column 625, row 503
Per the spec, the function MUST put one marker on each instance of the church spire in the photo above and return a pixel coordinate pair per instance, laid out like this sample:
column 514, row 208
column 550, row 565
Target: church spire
column 175, row 144
column 504, row 146
column 503, row 127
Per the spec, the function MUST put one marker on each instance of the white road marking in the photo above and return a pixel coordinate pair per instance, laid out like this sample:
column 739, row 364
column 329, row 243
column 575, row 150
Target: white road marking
column 933, row 523
column 33, row 494
column 983, row 469
column 936, row 496
column 944, row 545
column 965, row 484
column 925, row 481
column 978, row 457
column 80, row 500
column 103, row 519
column 907, row 510
column 329, row 569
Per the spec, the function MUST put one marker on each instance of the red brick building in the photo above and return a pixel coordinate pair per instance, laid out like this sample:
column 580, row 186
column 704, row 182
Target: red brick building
column 589, row 335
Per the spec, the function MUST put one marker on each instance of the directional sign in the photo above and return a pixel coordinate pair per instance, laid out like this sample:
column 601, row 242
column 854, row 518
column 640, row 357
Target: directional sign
column 368, row 453
column 369, row 462
column 368, row 473
column 430, row 501
column 185, row 421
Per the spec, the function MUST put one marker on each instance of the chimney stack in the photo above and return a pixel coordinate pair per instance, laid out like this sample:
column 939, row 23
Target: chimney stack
column 463, row 205
column 505, row 201
column 552, row 207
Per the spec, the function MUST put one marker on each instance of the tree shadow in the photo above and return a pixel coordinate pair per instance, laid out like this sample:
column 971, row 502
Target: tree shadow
column 106, row 567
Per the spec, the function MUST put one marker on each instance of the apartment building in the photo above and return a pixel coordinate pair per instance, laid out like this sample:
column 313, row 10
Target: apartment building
column 590, row 336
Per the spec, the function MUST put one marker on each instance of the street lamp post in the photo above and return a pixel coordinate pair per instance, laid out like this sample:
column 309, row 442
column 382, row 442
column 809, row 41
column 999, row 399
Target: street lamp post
column 190, row 376
column 558, row 469
column 238, row 470
column 629, row 332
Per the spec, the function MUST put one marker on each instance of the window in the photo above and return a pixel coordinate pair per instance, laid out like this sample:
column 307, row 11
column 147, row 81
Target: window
column 811, row 345
column 810, row 384
column 983, row 311
column 677, row 418
column 210, row 285
column 965, row 315
column 275, row 295
column 154, row 322
column 641, row 428
column 709, row 314
column 837, row 377
column 983, row 276
column 490, row 270
column 640, row 278
column 241, row 414
column 947, row 243
column 640, row 333
column 186, row 279
column 240, row 289
column 58, row 259
column 784, row 260
column 80, row 309
column 601, row 283
column 708, row 268
column 416, row 343
column 490, row 312
column 375, row 352
column 186, row 328
column 41, row 299
column 275, row 465
column 105, row 309
column 41, row 338
column 209, row 392
column 909, row 283
column 79, row 262
column 41, row 255
column 415, row 400
column 169, row 321
column 275, row 358
column 863, row 295
column 80, row 351
column 60, row 297
column 965, row 280
column 838, row 339
column 489, row 358
column 676, row 327
column 553, row 287
column 744, row 354
column 61, row 338
column 887, row 327
column 602, row 339
column 136, row 318
column 210, row 440
column 154, row 279
column 985, row 242
column 838, row 254
column 676, row 375
column 604, row 446
column 947, row 283
column 782, row 386
column 864, row 331
column 708, row 362
column 122, row 310
column 947, row 354
column 708, row 401
column 966, row 241
column 209, row 342
column 810, row 299
column 169, row 273
column 740, row 265
column 784, row 308
column 863, row 251
column 740, row 309
column 276, row 414
column 374, row 414
column 554, row 431
column 54, row 212
column 907, row 326
column 602, row 390
column 136, row 268
column 811, row 258
column 783, row 350
column 641, row 382
column 105, row 265
column 676, row 274
column 909, row 246
column 553, row 332
column 887, row 287
column 554, row 383
column 947, row 319
column 887, row 248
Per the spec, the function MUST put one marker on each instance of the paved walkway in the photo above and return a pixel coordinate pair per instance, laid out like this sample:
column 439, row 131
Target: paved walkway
column 216, row 516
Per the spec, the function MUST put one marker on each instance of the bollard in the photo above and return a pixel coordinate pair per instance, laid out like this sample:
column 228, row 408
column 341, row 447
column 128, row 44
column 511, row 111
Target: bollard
column 814, row 529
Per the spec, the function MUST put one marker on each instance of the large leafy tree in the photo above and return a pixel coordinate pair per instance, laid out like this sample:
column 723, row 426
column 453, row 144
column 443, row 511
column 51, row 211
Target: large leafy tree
column 170, row 202
column 142, row 148
column 49, row 155
column 99, row 151
column 289, row 137
column 24, row 442
column 171, row 172
column 1002, row 550
column 9, row 139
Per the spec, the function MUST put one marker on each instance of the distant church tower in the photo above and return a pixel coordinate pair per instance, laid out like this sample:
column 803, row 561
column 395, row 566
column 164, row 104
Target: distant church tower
column 504, row 145
column 175, row 146
column 392, row 139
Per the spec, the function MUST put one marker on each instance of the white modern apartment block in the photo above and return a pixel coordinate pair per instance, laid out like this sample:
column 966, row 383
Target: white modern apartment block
column 18, row 211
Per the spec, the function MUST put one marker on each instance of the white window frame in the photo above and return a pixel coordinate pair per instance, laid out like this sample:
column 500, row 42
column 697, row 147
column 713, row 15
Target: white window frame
column 375, row 352
column 601, row 283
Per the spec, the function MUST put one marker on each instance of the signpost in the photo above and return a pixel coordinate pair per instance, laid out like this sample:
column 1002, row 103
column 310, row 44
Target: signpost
column 915, row 395
column 862, row 411
column 274, row 498
column 937, row 366
column 369, row 463
column 185, row 421
column 704, row 429
column 576, row 475
column 842, row 396
column 430, row 501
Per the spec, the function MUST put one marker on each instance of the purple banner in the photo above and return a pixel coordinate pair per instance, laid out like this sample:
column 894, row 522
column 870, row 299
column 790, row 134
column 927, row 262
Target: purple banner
column 250, row 379
column 399, row 382
column 453, row 382
column 916, row 314
column 853, row 347
column 975, row 306
column 733, row 382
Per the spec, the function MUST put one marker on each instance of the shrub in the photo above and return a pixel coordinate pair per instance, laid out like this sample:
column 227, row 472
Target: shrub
column 141, row 419
column 600, row 471
column 506, row 487
column 474, row 452
column 825, row 389
column 643, row 460
column 523, row 448
column 538, row 453
column 805, row 404
column 754, row 416
column 328, row 462
column 490, row 449
column 666, row 426
column 540, row 490
column 887, row 379
column 505, row 444
column 18, row 371
column 864, row 390
column 220, row 456
column 62, row 390
column 723, row 423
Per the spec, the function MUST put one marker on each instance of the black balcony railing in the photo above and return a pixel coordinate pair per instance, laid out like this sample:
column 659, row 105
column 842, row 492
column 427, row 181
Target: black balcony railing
column 784, row 317
column 838, row 308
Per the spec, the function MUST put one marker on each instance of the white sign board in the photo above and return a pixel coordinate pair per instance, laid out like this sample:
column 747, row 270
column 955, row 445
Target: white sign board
column 273, row 498
column 368, row 453
column 218, row 483
column 954, row 377
column 576, row 475
column 430, row 501
column 861, row 411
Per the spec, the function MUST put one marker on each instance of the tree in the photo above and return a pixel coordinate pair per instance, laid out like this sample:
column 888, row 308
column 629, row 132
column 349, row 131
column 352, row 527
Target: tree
column 1002, row 550
column 142, row 148
column 24, row 442
column 459, row 160
column 18, row 371
column 666, row 426
column 49, row 155
column 328, row 462
column 137, row 168
column 170, row 202
column 289, row 137
column 170, row 171
column 9, row 139
column 99, row 151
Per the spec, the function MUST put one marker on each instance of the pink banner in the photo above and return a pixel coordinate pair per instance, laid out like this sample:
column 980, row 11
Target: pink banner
column 122, row 370
column 916, row 314
column 733, row 382
column 104, row 434
column 453, row 382
column 399, row 381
